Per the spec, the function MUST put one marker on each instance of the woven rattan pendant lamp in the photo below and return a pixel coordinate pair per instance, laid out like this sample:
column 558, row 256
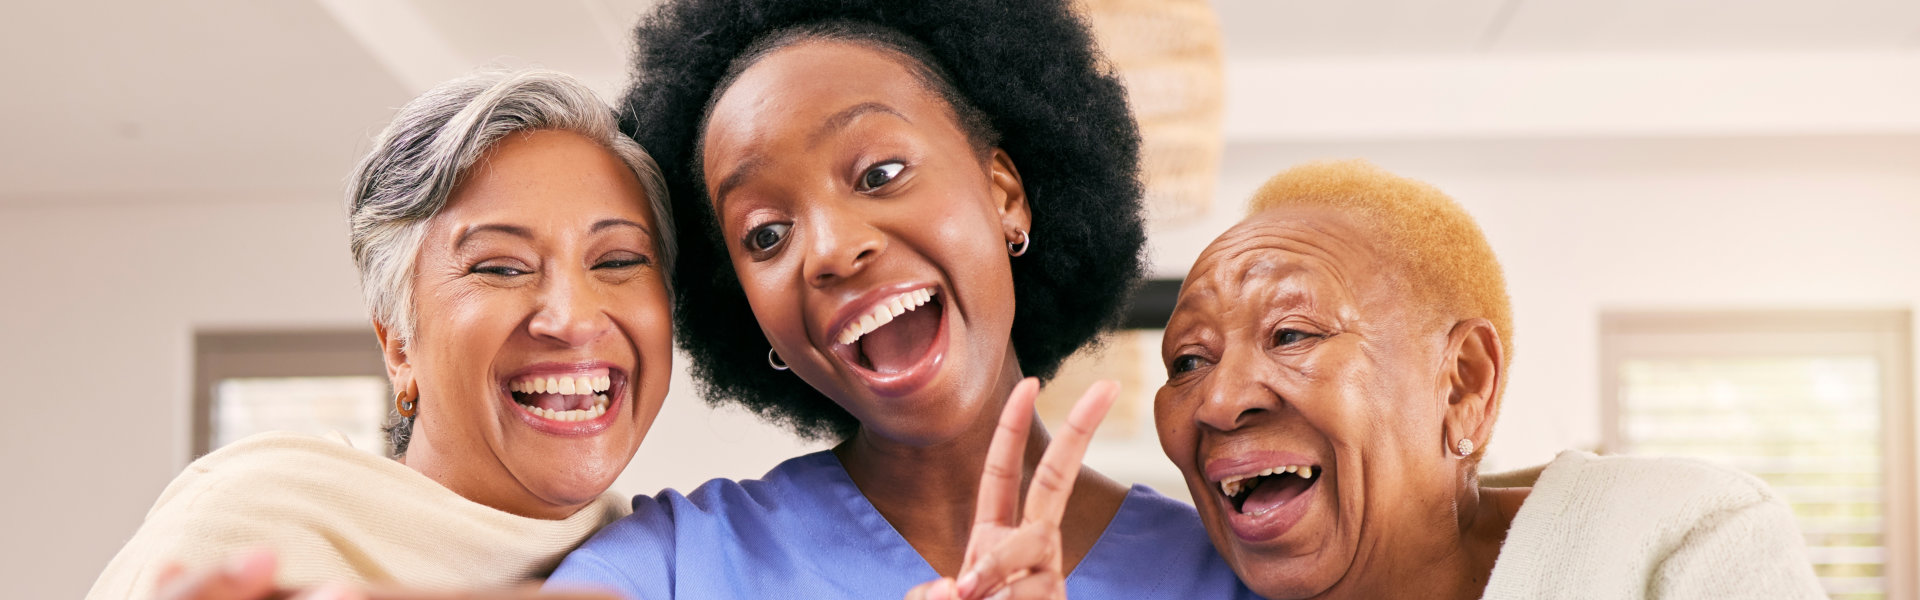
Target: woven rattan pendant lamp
column 1169, row 54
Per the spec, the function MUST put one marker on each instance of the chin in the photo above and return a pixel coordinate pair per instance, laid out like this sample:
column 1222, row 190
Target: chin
column 565, row 488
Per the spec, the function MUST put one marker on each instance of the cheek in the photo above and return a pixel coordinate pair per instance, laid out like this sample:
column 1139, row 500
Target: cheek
column 1173, row 420
column 459, row 329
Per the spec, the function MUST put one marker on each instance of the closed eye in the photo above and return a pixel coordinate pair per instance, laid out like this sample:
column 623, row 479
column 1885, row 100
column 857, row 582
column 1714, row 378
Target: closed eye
column 499, row 270
column 622, row 262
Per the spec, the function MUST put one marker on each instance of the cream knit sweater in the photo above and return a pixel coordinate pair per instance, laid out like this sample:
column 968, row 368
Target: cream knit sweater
column 1634, row 527
column 335, row 513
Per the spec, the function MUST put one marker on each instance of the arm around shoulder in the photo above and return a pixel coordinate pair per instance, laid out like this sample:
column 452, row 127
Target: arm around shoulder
column 1751, row 551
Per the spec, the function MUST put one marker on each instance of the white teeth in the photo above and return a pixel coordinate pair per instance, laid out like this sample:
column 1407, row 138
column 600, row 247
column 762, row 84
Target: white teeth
column 883, row 313
column 1233, row 486
column 598, row 408
column 571, row 385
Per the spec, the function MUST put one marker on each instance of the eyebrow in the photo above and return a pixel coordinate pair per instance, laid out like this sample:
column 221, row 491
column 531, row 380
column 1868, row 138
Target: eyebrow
column 527, row 234
column 840, row 120
column 734, row 179
column 513, row 230
column 834, row 122
column 605, row 223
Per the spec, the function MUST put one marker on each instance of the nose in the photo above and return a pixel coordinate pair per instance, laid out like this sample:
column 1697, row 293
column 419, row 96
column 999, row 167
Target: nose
column 841, row 245
column 572, row 311
column 1235, row 394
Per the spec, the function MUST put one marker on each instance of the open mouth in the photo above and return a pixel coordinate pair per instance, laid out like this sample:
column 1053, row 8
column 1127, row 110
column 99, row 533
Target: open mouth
column 565, row 397
column 894, row 335
column 1258, row 493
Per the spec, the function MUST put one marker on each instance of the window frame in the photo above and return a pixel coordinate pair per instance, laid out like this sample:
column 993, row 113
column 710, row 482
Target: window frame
column 1886, row 334
column 220, row 355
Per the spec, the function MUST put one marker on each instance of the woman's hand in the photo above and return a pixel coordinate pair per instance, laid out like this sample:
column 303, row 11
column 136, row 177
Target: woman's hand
column 246, row 577
column 1013, row 553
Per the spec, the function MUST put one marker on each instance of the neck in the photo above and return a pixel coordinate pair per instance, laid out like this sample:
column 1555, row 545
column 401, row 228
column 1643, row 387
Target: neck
column 928, row 492
column 1456, row 563
column 489, row 484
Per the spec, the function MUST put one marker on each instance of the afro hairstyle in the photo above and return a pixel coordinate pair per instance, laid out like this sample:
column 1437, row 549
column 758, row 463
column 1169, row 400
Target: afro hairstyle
column 1030, row 67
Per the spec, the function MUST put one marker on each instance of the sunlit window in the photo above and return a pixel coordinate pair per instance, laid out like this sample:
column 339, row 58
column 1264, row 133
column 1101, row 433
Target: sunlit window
column 354, row 406
column 314, row 382
column 1813, row 404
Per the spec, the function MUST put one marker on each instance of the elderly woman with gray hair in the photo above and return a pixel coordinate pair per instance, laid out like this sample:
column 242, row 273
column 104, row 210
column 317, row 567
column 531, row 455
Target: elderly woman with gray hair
column 513, row 246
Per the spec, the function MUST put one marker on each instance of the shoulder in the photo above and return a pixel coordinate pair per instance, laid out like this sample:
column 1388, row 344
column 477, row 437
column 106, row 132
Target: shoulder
column 1619, row 520
column 266, row 470
column 1156, row 546
column 665, row 528
column 1673, row 489
column 271, row 489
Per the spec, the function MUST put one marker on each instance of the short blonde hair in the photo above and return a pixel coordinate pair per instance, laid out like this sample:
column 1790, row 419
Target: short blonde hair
column 1450, row 263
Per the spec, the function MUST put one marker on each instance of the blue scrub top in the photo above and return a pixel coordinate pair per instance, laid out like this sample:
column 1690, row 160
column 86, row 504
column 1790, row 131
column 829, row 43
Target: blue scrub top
column 805, row 531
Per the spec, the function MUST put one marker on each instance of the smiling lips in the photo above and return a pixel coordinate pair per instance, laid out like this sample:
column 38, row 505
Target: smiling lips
column 573, row 397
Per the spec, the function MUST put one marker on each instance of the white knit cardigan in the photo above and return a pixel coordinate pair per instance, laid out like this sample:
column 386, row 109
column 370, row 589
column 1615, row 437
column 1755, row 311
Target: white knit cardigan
column 1635, row 527
column 337, row 514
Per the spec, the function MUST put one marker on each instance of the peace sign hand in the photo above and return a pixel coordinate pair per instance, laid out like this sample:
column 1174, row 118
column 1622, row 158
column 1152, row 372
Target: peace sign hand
column 1015, row 553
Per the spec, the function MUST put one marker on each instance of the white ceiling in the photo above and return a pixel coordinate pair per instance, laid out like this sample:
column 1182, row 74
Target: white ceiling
column 127, row 99
column 182, row 99
column 1259, row 29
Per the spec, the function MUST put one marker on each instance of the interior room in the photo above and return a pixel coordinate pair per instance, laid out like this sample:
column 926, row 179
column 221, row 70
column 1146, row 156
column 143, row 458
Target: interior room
column 1708, row 214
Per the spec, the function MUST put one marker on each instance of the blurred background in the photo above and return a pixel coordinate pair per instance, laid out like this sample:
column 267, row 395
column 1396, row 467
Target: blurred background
column 1709, row 213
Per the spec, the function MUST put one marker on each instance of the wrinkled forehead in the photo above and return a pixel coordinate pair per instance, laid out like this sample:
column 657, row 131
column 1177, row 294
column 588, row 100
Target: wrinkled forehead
column 1320, row 253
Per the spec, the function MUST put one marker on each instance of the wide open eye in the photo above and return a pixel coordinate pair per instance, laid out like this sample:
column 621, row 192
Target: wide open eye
column 879, row 175
column 765, row 237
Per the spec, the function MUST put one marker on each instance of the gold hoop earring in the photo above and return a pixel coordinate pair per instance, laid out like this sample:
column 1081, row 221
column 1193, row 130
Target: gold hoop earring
column 405, row 405
column 1020, row 247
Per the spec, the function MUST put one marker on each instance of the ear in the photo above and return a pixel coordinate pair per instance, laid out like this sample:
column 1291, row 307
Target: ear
column 394, row 353
column 1474, row 372
column 1009, row 194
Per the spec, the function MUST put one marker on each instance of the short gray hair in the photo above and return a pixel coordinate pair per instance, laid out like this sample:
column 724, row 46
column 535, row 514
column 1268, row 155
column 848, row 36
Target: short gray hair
column 422, row 155
column 419, row 158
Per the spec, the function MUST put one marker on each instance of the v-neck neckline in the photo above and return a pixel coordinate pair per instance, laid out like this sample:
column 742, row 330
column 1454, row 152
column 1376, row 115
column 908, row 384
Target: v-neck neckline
column 895, row 545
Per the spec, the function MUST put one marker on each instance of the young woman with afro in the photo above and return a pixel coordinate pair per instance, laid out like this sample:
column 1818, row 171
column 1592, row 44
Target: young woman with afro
column 893, row 214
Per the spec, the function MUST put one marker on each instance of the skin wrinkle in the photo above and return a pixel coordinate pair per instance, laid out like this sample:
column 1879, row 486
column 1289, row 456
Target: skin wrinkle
column 1356, row 392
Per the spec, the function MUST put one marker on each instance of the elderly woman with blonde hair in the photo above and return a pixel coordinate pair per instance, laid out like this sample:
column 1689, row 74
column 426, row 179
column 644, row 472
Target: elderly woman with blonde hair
column 513, row 246
column 1335, row 365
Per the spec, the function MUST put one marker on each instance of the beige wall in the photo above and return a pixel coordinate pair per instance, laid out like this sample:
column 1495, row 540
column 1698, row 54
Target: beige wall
column 102, row 296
